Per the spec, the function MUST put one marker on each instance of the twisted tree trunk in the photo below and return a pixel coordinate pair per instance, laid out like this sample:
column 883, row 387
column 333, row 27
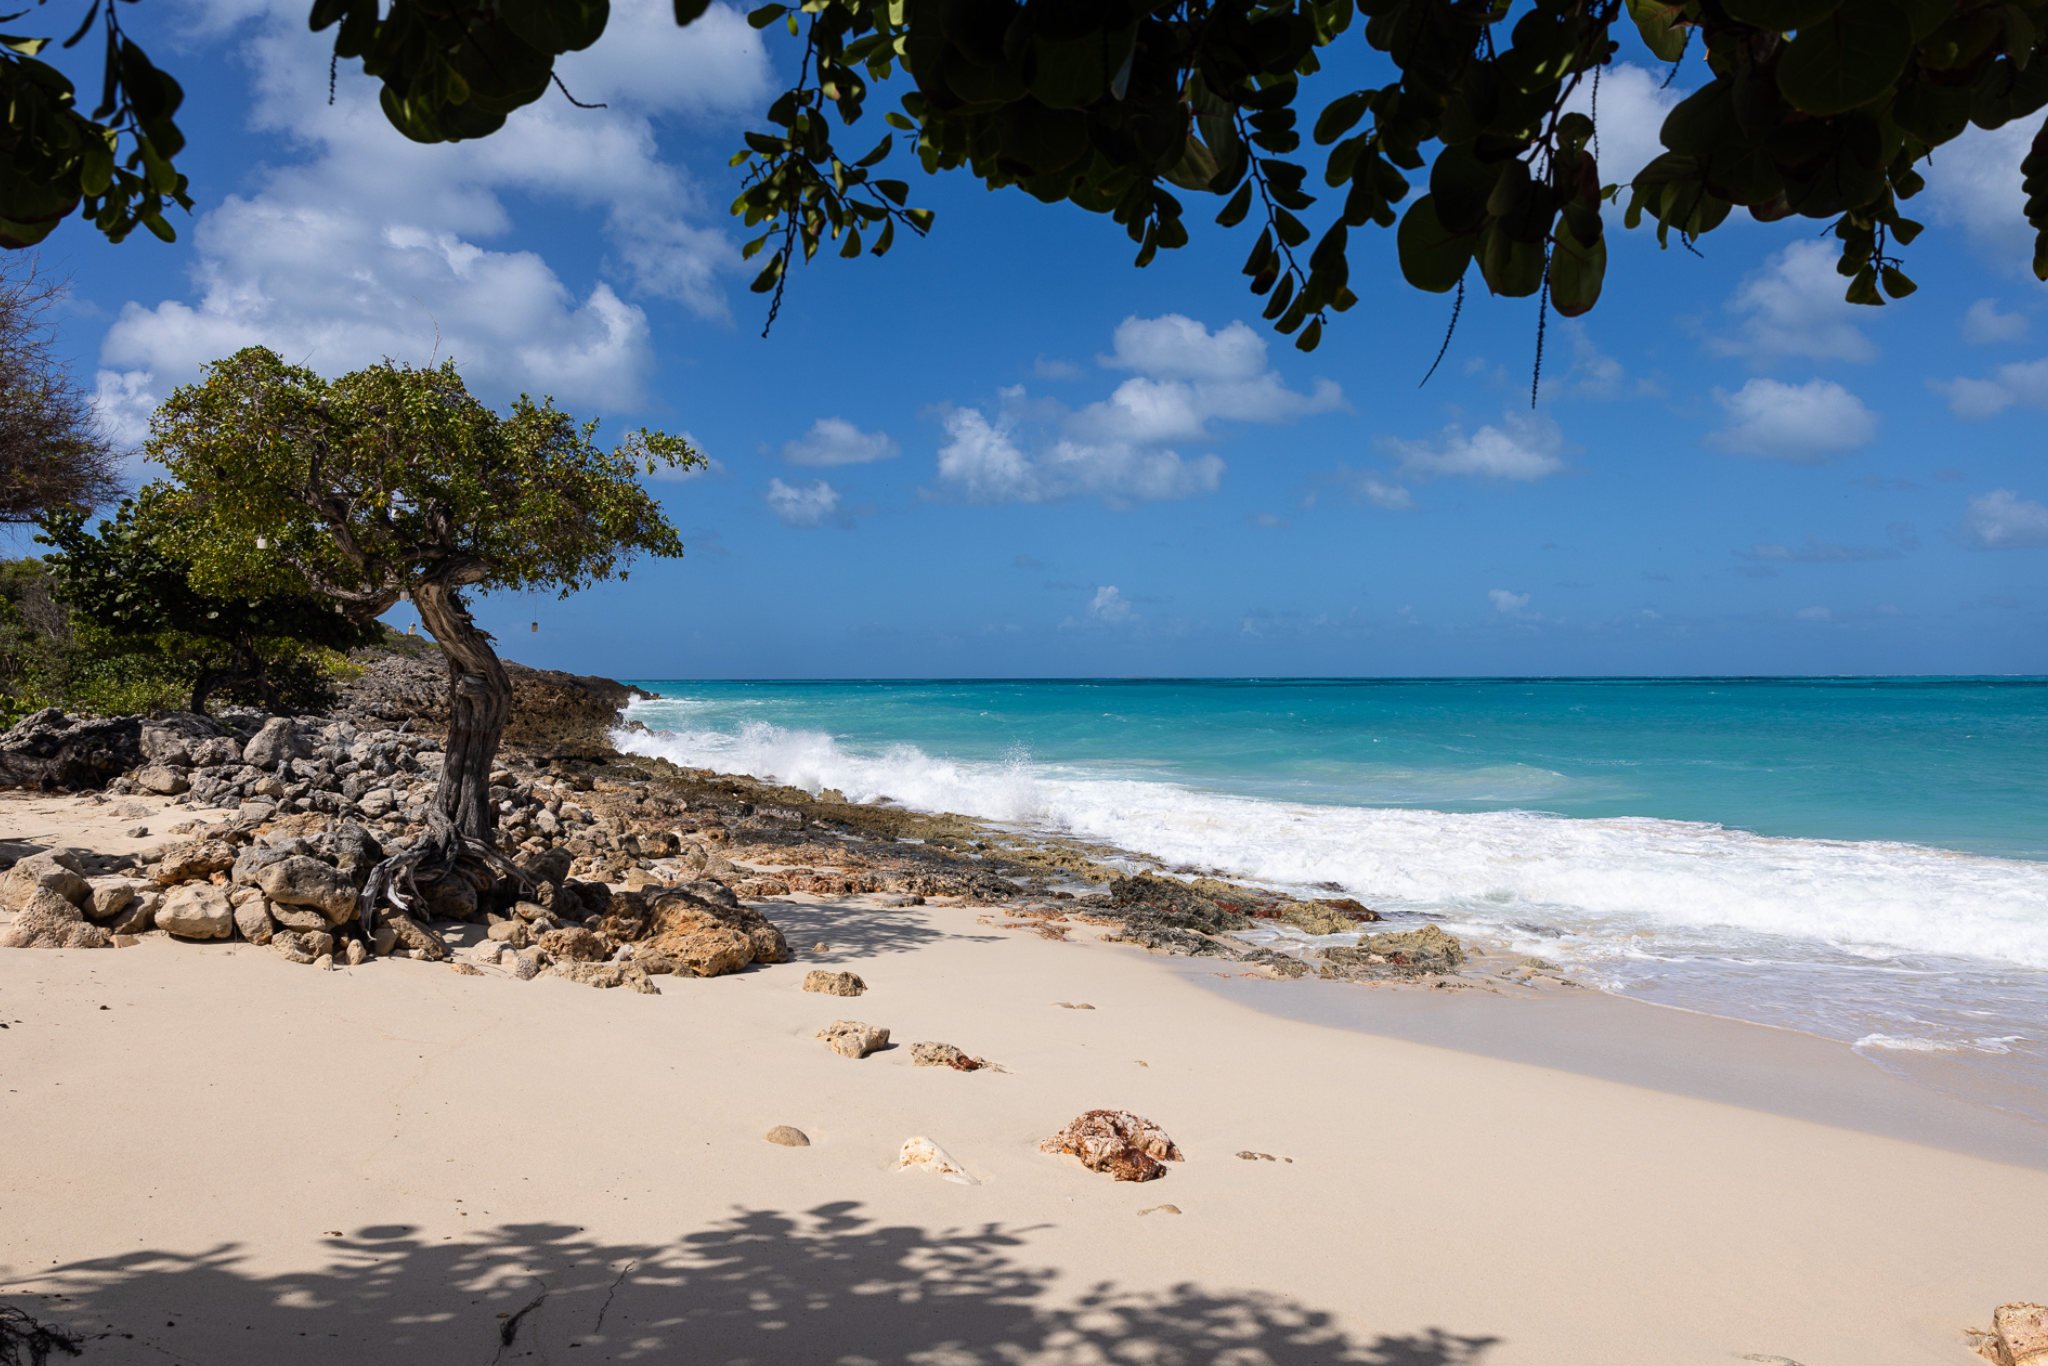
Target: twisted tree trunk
column 479, row 705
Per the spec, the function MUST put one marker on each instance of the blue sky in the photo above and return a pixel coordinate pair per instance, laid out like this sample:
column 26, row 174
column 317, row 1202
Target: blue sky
column 1003, row 451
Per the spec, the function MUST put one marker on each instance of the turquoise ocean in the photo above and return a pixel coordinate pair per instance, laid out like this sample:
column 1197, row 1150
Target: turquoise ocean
column 1865, row 858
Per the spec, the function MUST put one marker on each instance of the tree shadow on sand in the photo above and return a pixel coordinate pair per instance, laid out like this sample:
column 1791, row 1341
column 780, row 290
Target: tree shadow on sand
column 854, row 930
column 761, row 1288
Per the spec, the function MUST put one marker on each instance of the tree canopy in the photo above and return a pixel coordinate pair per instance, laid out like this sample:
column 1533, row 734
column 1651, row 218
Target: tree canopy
column 1817, row 109
column 393, row 481
column 53, row 454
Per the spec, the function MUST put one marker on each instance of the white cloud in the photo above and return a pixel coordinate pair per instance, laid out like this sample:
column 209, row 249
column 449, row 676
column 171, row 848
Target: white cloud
column 1975, row 183
column 371, row 245
column 1633, row 104
column 1524, row 447
column 1392, row 497
column 2001, row 519
column 1506, row 603
column 1110, row 605
column 1803, row 423
column 1984, row 325
column 1813, row 614
column 1122, row 448
column 715, row 65
column 2023, row 384
column 835, row 441
column 123, row 403
column 1793, row 309
column 804, row 505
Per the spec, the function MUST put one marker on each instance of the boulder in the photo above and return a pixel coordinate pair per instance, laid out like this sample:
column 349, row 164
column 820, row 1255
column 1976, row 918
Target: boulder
column 575, row 944
column 110, row 896
column 197, row 910
column 50, row 752
column 304, row 946
column 52, row 870
column 252, row 916
column 139, row 915
column 409, row 934
column 193, row 861
column 161, row 779
column 302, row 918
column 1127, row 1146
column 1428, row 951
column 307, row 882
column 250, row 863
column 352, row 849
column 2020, row 1333
column 834, row 983
column 687, row 934
column 852, row 1039
column 279, row 742
column 52, row 923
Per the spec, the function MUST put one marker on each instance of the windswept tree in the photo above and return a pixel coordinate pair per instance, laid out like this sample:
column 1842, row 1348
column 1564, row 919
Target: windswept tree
column 125, row 576
column 395, row 482
column 53, row 451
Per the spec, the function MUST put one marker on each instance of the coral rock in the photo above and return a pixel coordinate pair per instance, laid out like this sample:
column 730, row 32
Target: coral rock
column 193, row 861
column 1127, row 1146
column 1428, row 951
column 307, row 882
column 691, row 933
column 303, row 946
column 924, row 1155
column 197, row 910
column 852, row 1039
column 576, row 945
column 834, row 983
column 55, row 924
column 945, row 1055
column 607, row 975
column 2020, row 1333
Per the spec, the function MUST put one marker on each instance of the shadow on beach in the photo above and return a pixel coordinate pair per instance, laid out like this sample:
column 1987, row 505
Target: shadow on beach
column 857, row 931
column 762, row 1288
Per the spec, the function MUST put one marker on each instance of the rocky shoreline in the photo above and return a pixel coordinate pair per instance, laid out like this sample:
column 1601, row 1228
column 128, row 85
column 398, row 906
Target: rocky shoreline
column 634, row 868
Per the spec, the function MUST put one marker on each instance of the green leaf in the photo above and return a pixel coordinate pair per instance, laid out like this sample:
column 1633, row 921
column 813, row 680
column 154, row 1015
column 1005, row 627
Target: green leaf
column 1237, row 207
column 1850, row 59
column 1863, row 288
column 1576, row 274
column 1658, row 22
column 1432, row 256
column 1897, row 283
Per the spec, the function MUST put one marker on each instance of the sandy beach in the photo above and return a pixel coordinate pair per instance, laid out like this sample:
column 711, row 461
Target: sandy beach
column 216, row 1156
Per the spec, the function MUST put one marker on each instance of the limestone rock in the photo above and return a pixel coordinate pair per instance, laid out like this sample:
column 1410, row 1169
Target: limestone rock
column 414, row 937
column 921, row 1154
column 49, row 751
column 946, row 1055
column 52, row 870
column 2020, row 1333
column 834, row 983
column 197, row 910
column 852, row 1039
column 139, row 915
column 607, row 975
column 109, row 896
column 304, row 946
column 161, row 779
column 193, row 861
column 52, row 923
column 1127, row 1146
column 526, row 966
column 576, row 945
column 307, row 882
column 785, row 1136
column 252, row 917
column 1428, row 951
column 301, row 918
column 354, row 954
column 279, row 740
column 689, row 933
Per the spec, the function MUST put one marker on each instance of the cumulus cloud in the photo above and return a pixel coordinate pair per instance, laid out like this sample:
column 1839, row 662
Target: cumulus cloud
column 1793, row 309
column 369, row 245
column 1522, row 448
column 1634, row 102
column 804, row 505
column 2002, row 520
column 2021, row 384
column 1802, row 423
column 1508, row 604
column 123, row 403
column 1110, row 605
column 1974, row 183
column 1187, row 380
column 1985, row 325
column 1392, row 497
column 835, row 441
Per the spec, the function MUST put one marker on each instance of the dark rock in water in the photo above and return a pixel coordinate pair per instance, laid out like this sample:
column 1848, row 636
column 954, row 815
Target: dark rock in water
column 51, row 752
column 1426, row 952
column 1151, row 932
column 1179, row 905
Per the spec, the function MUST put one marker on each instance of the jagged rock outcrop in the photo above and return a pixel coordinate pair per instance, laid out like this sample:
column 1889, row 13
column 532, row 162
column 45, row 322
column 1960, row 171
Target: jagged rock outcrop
column 1128, row 1147
column 49, row 751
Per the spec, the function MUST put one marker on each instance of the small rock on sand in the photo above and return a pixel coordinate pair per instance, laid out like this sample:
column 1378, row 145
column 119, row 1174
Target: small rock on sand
column 945, row 1055
column 2019, row 1333
column 834, row 983
column 852, row 1039
column 1158, row 1209
column 786, row 1136
column 1129, row 1147
column 925, row 1155
column 1073, row 1005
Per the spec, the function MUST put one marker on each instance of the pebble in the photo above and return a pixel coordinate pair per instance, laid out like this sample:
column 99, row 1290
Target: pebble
column 788, row 1137
column 1159, row 1209
column 1073, row 1005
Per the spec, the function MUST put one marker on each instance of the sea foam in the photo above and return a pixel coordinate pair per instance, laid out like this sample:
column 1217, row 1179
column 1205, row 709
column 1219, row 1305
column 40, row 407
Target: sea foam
column 1620, row 887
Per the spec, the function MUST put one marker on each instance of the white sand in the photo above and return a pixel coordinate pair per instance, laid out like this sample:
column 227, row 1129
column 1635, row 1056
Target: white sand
column 239, row 1160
